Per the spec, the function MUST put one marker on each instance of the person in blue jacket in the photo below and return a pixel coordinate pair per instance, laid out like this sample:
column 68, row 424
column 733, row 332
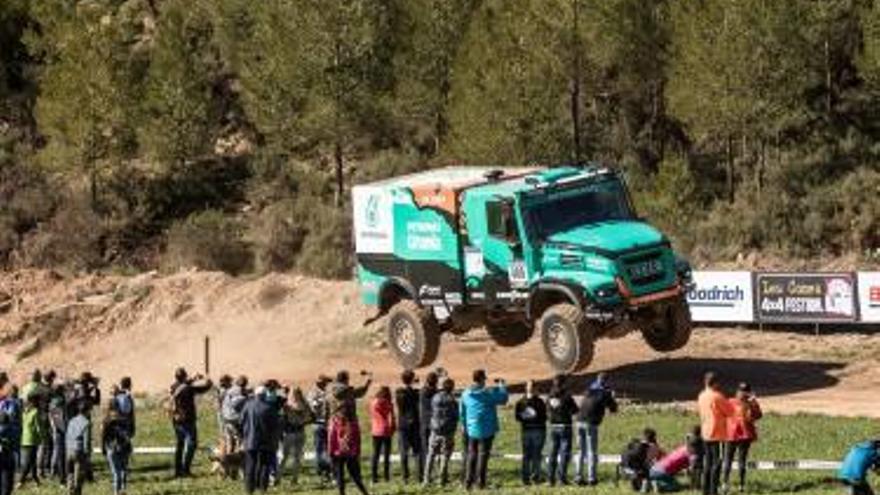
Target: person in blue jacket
column 479, row 415
column 861, row 458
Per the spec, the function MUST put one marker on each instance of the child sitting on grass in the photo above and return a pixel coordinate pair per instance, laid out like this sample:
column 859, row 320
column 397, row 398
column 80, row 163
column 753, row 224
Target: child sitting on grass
column 854, row 470
column 687, row 456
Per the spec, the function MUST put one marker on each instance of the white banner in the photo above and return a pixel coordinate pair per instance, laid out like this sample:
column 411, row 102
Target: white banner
column 869, row 296
column 373, row 222
column 722, row 297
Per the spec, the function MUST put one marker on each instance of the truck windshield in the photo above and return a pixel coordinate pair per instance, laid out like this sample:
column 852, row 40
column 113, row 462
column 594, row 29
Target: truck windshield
column 597, row 202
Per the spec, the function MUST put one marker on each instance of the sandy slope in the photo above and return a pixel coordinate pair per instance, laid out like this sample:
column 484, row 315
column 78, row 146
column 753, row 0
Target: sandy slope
column 293, row 328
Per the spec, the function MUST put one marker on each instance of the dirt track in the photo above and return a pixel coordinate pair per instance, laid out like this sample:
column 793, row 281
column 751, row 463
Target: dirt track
column 293, row 328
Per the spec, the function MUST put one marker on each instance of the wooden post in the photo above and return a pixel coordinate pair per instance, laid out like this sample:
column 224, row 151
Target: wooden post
column 207, row 356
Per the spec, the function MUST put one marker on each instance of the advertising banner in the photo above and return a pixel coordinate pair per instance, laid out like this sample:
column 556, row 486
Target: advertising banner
column 869, row 296
column 719, row 296
column 805, row 297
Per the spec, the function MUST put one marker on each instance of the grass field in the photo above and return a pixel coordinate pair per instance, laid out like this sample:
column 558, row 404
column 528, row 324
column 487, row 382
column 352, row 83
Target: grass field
column 782, row 438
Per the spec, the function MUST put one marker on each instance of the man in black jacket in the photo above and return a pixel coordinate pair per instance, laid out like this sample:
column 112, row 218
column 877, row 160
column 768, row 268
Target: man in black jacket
column 598, row 399
column 426, row 394
column 184, row 418
column 408, row 428
column 561, row 410
column 261, row 431
column 531, row 413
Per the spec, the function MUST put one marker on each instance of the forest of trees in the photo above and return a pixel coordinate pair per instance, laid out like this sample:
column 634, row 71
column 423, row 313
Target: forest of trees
column 225, row 134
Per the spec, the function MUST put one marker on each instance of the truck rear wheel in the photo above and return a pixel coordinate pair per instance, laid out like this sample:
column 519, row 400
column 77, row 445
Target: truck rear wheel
column 568, row 338
column 413, row 335
column 510, row 334
column 671, row 330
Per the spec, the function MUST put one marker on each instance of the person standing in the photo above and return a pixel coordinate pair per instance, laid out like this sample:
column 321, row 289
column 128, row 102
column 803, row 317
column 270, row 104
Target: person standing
column 233, row 402
column 125, row 406
column 296, row 415
column 11, row 405
column 57, row 427
column 409, row 433
column 7, row 457
column 116, row 445
column 561, row 408
column 443, row 422
column 598, row 400
column 317, row 399
column 31, row 438
column 184, row 419
column 478, row 411
column 48, row 440
column 715, row 411
column 426, row 395
column 78, row 446
column 260, row 430
column 742, row 431
column 344, row 433
column 382, row 424
column 531, row 413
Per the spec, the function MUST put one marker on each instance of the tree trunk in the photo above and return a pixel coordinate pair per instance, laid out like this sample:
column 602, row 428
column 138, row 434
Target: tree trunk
column 576, row 88
column 339, row 163
column 829, row 102
column 730, row 192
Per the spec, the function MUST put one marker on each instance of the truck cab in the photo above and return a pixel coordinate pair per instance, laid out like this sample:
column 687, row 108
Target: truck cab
column 560, row 252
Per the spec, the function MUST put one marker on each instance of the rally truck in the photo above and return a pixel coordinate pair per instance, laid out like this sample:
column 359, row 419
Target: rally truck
column 556, row 251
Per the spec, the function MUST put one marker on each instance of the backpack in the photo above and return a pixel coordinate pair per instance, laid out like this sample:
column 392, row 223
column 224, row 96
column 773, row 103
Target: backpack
column 635, row 456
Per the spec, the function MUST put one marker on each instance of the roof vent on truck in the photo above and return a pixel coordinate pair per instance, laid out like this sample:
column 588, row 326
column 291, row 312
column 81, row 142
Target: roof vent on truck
column 494, row 175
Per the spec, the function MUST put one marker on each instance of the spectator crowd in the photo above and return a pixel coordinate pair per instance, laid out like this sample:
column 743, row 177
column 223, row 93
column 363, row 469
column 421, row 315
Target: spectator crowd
column 46, row 433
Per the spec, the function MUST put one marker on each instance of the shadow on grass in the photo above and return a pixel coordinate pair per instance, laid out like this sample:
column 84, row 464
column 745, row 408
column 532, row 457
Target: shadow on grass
column 680, row 379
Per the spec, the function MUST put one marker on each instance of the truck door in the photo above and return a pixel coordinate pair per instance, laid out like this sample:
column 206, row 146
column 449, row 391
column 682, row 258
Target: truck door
column 494, row 266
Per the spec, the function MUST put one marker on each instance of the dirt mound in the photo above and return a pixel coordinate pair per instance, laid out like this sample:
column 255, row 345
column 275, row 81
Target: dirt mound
column 293, row 328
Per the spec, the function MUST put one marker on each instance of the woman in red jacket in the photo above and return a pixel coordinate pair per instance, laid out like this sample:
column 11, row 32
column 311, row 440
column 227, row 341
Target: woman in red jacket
column 742, row 432
column 383, row 426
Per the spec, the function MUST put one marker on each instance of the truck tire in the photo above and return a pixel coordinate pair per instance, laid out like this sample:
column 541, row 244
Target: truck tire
column 510, row 334
column 413, row 334
column 568, row 338
column 671, row 330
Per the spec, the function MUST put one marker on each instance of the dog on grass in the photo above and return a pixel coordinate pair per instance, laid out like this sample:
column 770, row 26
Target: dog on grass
column 226, row 462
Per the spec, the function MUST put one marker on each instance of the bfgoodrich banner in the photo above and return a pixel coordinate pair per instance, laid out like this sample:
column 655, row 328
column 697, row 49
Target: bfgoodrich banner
column 722, row 297
column 805, row 297
column 869, row 296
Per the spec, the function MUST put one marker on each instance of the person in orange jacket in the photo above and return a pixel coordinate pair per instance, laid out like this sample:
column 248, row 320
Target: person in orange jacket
column 741, row 432
column 715, row 411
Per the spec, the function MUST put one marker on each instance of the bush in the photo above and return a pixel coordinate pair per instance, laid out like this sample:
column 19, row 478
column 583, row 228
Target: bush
column 208, row 240
column 278, row 234
column 72, row 239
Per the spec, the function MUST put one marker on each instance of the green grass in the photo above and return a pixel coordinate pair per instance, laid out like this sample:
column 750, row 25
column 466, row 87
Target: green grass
column 782, row 438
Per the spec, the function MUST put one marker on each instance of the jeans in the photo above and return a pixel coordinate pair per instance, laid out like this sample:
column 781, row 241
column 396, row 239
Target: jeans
column 59, row 466
column 712, row 468
column 740, row 451
column 533, row 440
column 439, row 446
column 7, row 473
column 118, row 461
column 560, row 453
column 410, row 441
column 76, row 473
column 185, row 449
column 588, row 444
column 381, row 451
column 292, row 447
column 479, row 450
column 322, row 458
column 353, row 466
column 44, row 455
column 257, row 465
column 29, row 464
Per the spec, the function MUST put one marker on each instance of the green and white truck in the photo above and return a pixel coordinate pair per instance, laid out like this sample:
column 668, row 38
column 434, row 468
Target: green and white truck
column 555, row 251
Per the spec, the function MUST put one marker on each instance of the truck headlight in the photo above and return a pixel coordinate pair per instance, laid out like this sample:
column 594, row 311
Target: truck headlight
column 606, row 292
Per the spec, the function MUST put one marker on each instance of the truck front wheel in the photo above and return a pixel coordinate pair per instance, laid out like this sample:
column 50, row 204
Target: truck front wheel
column 413, row 335
column 671, row 329
column 568, row 338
